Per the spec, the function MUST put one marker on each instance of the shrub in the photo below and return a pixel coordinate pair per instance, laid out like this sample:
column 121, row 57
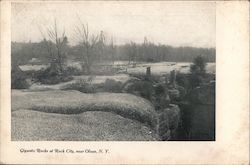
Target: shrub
column 141, row 88
column 159, row 90
column 183, row 80
column 112, row 86
column 103, row 70
column 198, row 66
column 72, row 71
column 18, row 79
column 198, row 71
column 85, row 86
column 182, row 92
column 152, row 78
column 82, row 86
column 161, row 98
column 51, row 76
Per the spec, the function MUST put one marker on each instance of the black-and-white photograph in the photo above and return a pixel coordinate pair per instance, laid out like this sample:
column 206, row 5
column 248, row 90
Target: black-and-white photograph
column 113, row 71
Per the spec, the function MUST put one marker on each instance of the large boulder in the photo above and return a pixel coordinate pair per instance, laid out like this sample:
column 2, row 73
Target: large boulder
column 29, row 125
column 161, row 99
column 140, row 88
column 204, row 94
column 168, row 121
column 177, row 92
column 72, row 115
column 203, row 112
column 174, row 94
column 74, row 102
column 198, row 114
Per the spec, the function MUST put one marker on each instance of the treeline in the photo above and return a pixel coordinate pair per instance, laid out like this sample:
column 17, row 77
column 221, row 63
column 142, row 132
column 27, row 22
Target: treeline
column 22, row 53
column 151, row 52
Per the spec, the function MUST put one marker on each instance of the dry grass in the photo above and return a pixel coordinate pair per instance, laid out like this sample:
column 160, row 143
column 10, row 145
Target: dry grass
column 74, row 102
column 28, row 125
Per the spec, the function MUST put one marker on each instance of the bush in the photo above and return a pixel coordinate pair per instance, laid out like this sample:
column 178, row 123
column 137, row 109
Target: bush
column 182, row 92
column 141, row 88
column 103, row 70
column 161, row 98
column 198, row 66
column 112, row 86
column 198, row 71
column 18, row 79
column 183, row 80
column 152, row 79
column 72, row 71
column 50, row 76
column 85, row 86
column 82, row 86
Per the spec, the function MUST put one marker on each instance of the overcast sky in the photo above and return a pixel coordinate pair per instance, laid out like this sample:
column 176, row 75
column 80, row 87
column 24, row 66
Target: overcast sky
column 170, row 23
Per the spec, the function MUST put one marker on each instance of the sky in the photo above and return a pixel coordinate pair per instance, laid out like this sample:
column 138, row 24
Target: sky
column 164, row 22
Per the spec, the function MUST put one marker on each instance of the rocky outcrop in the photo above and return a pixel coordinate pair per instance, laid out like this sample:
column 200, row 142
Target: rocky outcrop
column 74, row 102
column 29, row 125
column 198, row 115
column 72, row 115
column 205, row 94
column 140, row 88
column 168, row 121
column 203, row 109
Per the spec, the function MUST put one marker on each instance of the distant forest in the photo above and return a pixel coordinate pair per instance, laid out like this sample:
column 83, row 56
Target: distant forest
column 22, row 53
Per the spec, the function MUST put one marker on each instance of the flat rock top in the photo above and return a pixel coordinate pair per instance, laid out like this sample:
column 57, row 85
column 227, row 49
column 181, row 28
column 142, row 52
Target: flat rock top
column 74, row 102
column 28, row 125
column 74, row 116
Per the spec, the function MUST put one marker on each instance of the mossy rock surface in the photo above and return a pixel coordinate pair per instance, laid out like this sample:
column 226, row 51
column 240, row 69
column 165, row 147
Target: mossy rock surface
column 29, row 125
column 74, row 102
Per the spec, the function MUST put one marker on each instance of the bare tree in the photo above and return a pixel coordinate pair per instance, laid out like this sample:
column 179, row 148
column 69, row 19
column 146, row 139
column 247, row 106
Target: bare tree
column 101, row 43
column 48, row 45
column 56, row 59
column 132, row 53
column 60, row 42
column 145, row 47
column 88, row 42
column 112, row 47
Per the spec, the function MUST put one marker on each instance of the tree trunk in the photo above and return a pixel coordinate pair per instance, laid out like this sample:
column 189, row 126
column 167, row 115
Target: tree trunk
column 148, row 73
